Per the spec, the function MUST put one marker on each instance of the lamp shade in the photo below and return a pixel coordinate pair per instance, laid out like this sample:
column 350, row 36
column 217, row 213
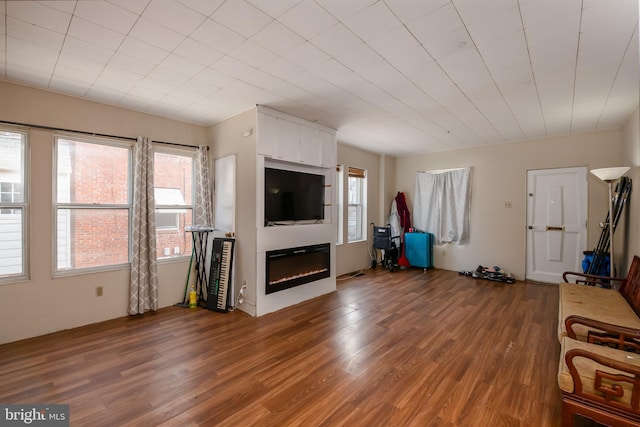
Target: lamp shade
column 610, row 174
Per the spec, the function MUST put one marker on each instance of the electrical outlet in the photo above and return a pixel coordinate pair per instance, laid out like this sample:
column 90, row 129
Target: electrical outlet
column 507, row 204
column 98, row 291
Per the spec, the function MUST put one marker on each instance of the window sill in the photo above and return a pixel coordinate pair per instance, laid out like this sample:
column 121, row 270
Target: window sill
column 14, row 280
column 357, row 241
column 174, row 259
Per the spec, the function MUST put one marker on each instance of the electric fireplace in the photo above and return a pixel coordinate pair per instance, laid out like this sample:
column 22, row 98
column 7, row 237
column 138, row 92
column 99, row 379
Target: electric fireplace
column 287, row 268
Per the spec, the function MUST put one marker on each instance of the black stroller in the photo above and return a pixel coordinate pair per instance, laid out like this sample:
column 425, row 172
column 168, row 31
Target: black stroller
column 384, row 242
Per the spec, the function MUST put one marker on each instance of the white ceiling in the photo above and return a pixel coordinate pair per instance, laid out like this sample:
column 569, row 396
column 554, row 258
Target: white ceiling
column 392, row 76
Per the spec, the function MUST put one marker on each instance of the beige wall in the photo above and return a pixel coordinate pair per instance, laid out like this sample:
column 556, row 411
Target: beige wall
column 498, row 176
column 630, row 231
column 355, row 256
column 227, row 138
column 44, row 304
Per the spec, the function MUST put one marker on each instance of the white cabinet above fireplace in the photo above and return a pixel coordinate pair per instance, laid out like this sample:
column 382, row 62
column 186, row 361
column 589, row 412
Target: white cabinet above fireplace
column 286, row 138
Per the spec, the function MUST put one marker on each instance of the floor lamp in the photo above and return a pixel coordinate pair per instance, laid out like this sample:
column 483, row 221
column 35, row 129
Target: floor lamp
column 610, row 175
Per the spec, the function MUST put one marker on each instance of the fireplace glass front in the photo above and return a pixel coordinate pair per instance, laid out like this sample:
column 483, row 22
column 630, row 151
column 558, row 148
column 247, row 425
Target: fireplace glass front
column 287, row 268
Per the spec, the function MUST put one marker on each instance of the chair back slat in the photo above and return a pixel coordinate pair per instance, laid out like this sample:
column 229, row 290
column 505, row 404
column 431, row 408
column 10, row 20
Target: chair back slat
column 630, row 287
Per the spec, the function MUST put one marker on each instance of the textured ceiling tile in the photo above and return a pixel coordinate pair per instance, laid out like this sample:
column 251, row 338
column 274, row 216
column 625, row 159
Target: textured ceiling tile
column 282, row 68
column 307, row 55
column 130, row 64
column 242, row 17
column 360, row 58
column 182, row 65
column 174, row 16
column 66, row 6
column 217, row 36
column 373, row 21
column 143, row 51
column 90, row 69
column 252, row 54
column 156, row 34
column 95, row 34
column 436, row 24
column 232, row 67
column 82, row 49
column 277, row 38
column 409, row 10
column 37, row 35
column 135, row 6
column 214, row 77
column 307, row 19
column 167, row 76
column 77, row 71
column 69, row 86
column 387, row 44
column 336, row 40
column 452, row 43
column 503, row 24
column 342, row 9
column 197, row 52
column 39, row 14
column 22, row 53
column 204, row 7
column 274, row 8
column 106, row 15
column 115, row 78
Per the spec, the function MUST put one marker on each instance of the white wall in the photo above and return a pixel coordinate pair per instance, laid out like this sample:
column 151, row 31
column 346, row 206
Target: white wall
column 630, row 156
column 43, row 304
column 227, row 138
column 499, row 175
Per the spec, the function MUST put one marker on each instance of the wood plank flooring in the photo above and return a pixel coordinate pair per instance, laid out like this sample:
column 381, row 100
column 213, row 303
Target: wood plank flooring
column 387, row 349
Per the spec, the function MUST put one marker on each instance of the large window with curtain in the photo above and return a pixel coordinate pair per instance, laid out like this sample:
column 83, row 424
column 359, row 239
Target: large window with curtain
column 13, row 205
column 92, row 203
column 174, row 198
column 357, row 208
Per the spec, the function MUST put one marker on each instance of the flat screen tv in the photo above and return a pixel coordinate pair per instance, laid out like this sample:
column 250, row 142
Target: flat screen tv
column 292, row 196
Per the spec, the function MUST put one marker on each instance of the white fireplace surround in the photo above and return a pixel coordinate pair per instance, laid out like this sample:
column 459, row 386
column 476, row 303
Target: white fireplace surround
column 315, row 153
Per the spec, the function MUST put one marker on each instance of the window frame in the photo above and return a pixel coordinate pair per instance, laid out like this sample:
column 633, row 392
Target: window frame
column 361, row 174
column 112, row 142
column 184, row 152
column 24, row 206
column 340, row 204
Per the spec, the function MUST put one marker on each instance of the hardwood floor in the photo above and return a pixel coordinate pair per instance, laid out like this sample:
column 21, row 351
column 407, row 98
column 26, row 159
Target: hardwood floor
column 403, row 349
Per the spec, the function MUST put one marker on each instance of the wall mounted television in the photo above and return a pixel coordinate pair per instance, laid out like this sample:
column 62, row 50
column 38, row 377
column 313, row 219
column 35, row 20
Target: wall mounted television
column 292, row 196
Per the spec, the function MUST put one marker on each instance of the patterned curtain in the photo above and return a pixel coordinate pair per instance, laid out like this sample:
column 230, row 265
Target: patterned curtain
column 143, row 293
column 204, row 206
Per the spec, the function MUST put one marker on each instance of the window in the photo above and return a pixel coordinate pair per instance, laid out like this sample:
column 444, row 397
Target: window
column 10, row 192
column 340, row 202
column 357, row 213
column 92, row 203
column 174, row 196
column 13, row 205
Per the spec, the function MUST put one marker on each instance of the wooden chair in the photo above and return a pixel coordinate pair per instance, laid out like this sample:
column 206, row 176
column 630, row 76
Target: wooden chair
column 629, row 286
column 602, row 382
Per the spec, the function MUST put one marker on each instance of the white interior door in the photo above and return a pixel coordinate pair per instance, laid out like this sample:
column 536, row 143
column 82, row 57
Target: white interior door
column 556, row 222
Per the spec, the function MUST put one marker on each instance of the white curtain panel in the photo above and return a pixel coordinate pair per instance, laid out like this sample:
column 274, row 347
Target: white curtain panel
column 143, row 293
column 204, row 205
column 442, row 205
